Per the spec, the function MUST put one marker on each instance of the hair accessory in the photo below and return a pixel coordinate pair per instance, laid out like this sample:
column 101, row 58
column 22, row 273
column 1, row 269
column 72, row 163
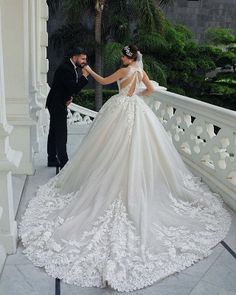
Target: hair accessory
column 128, row 51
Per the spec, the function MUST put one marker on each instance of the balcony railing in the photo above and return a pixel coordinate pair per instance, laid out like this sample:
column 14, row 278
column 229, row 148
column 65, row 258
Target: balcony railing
column 204, row 135
column 79, row 118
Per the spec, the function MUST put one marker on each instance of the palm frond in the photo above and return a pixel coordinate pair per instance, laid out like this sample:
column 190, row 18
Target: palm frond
column 152, row 42
column 76, row 8
column 163, row 3
column 155, row 70
column 112, row 54
column 71, row 35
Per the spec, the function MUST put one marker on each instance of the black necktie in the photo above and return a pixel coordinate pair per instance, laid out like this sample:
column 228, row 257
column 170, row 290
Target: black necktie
column 77, row 74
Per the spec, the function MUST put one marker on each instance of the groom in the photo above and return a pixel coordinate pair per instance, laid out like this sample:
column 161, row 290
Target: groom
column 67, row 82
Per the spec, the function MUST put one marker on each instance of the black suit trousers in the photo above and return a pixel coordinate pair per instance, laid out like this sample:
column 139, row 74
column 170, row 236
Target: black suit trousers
column 57, row 136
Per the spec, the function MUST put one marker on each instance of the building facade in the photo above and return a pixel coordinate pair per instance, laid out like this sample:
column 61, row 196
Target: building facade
column 23, row 91
column 23, row 118
column 200, row 15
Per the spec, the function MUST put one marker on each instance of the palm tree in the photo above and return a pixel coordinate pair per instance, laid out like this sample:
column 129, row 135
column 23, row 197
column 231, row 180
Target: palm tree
column 111, row 22
column 99, row 6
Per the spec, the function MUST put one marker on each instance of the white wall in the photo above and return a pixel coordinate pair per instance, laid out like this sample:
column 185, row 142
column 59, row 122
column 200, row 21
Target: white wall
column 23, row 91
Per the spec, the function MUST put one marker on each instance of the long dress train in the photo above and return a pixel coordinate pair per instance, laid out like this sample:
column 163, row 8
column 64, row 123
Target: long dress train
column 125, row 209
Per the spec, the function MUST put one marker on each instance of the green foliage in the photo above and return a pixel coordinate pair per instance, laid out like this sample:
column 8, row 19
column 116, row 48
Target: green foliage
column 217, row 36
column 76, row 9
column 155, row 70
column 170, row 55
column 120, row 21
column 227, row 77
column 221, row 89
column 152, row 43
column 150, row 17
column 220, row 101
column 86, row 97
column 226, row 58
column 70, row 35
column 112, row 53
column 165, row 2
column 232, row 48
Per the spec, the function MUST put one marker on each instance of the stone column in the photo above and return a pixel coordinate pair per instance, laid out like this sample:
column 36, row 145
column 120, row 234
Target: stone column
column 9, row 159
column 15, row 30
column 35, row 106
column 42, row 61
column 43, row 13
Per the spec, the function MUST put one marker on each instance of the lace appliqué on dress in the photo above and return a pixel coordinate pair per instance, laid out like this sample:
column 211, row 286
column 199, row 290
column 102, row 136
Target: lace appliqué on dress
column 128, row 104
column 111, row 250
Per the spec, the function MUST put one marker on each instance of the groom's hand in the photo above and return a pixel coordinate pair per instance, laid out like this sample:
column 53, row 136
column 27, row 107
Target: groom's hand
column 85, row 73
column 69, row 101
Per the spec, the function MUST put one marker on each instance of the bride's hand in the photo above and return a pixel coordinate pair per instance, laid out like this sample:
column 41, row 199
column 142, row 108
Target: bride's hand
column 87, row 68
column 85, row 72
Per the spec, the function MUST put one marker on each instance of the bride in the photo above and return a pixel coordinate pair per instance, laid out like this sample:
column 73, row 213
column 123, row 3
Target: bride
column 125, row 212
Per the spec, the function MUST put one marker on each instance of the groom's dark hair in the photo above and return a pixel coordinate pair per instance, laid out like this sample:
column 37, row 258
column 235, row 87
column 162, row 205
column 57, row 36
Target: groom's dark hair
column 76, row 51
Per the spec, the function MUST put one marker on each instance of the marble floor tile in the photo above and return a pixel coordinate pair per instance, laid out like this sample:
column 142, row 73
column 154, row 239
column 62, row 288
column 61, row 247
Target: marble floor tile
column 18, row 258
column 201, row 267
column 222, row 273
column 179, row 284
column 230, row 239
column 25, row 279
column 204, row 288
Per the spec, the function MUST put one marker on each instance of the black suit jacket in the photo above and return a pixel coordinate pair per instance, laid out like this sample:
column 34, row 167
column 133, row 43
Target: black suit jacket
column 64, row 86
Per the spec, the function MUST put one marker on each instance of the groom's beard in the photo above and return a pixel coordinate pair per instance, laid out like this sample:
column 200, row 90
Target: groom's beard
column 81, row 65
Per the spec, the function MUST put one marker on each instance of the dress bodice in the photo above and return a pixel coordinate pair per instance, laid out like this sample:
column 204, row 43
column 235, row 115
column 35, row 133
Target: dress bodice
column 129, row 85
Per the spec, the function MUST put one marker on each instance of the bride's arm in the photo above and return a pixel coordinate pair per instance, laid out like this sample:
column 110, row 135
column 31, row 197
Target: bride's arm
column 149, row 88
column 108, row 80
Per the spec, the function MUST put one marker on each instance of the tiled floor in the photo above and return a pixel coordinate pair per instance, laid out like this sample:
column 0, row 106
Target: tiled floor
column 215, row 275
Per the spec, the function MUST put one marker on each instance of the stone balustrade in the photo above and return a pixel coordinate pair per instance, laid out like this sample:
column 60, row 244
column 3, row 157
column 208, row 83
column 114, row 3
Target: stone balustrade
column 204, row 135
column 79, row 118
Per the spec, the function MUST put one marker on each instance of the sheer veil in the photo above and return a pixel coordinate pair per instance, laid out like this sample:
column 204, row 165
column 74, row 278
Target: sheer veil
column 139, row 60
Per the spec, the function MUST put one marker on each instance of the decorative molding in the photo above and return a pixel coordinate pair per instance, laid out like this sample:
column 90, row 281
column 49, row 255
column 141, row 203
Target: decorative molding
column 20, row 120
column 44, row 39
column 44, row 10
column 44, row 66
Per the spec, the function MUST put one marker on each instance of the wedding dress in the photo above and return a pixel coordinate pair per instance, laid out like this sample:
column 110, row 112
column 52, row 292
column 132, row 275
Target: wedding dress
column 125, row 209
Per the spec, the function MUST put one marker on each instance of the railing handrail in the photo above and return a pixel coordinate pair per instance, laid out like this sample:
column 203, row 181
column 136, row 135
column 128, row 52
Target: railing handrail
column 209, row 151
column 82, row 110
column 214, row 112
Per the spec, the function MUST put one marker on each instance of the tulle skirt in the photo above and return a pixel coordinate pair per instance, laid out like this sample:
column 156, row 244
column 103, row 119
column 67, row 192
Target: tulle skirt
column 125, row 209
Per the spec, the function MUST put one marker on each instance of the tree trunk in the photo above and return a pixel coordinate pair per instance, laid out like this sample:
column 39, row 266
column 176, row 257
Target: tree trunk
column 98, row 53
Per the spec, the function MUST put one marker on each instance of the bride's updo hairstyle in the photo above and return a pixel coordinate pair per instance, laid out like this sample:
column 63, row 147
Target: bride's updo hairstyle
column 131, row 51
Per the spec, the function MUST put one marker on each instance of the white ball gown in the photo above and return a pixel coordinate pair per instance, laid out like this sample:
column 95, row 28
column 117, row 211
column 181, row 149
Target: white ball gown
column 125, row 209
